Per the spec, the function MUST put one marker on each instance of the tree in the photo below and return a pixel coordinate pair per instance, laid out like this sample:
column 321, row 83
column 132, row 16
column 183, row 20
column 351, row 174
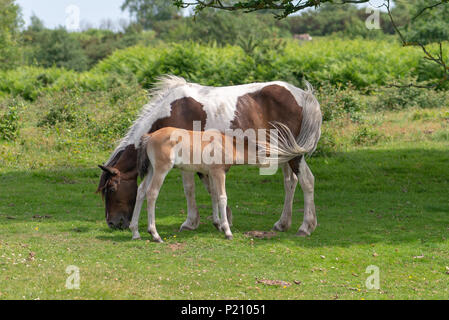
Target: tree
column 147, row 12
column 55, row 47
column 347, row 20
column 220, row 27
column 36, row 24
column 428, row 23
column 10, row 22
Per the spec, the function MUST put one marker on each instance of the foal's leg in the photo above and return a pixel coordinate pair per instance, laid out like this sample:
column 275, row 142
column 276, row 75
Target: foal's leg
column 290, row 183
column 152, row 194
column 219, row 184
column 193, row 217
column 134, row 226
column 206, row 181
column 307, row 181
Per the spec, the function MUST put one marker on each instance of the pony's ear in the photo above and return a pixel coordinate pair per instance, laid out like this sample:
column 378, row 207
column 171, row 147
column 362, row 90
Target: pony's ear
column 108, row 170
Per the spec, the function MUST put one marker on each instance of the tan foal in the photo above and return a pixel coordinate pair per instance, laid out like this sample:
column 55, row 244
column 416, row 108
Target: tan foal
column 213, row 155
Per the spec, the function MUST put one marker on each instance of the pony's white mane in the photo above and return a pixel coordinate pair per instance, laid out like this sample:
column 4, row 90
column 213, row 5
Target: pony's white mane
column 149, row 113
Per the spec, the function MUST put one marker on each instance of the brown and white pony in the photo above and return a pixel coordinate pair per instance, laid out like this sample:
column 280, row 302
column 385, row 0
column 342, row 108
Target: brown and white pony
column 176, row 103
column 170, row 148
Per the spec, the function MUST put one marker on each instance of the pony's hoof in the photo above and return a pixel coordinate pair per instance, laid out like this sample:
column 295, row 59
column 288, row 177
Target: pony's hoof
column 229, row 215
column 186, row 227
column 217, row 226
column 136, row 234
column 229, row 237
column 280, row 227
column 302, row 233
column 158, row 240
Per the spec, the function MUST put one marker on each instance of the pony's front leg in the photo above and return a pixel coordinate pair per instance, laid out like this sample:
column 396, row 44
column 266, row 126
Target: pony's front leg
column 134, row 226
column 152, row 194
column 219, row 185
column 307, row 181
column 193, row 217
column 290, row 183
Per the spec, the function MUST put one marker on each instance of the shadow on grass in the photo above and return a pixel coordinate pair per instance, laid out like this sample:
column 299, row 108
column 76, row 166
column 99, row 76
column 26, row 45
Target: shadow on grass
column 365, row 196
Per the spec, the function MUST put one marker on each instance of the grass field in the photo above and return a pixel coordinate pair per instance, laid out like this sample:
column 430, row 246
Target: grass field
column 385, row 205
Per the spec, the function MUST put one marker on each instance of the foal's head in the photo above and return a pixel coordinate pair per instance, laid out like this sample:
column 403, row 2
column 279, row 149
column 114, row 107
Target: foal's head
column 119, row 191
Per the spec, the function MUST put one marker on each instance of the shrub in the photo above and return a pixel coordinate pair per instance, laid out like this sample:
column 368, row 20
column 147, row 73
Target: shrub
column 365, row 135
column 441, row 135
column 327, row 144
column 430, row 115
column 59, row 114
column 337, row 102
column 397, row 98
column 338, row 62
column 30, row 82
column 9, row 122
column 345, row 64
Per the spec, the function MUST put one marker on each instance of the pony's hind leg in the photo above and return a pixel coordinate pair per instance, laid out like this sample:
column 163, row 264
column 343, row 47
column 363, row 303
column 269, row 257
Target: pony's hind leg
column 193, row 217
column 206, row 181
column 215, row 206
column 152, row 194
column 307, row 181
column 219, row 184
column 290, row 183
column 134, row 226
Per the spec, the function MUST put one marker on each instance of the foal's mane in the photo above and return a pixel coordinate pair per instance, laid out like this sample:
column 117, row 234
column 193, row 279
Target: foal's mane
column 146, row 117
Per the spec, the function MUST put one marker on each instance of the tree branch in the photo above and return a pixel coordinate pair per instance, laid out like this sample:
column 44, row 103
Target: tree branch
column 429, row 8
column 439, row 59
column 283, row 7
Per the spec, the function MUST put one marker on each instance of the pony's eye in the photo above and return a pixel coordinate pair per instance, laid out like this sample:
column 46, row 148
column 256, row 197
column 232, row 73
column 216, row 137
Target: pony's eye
column 113, row 187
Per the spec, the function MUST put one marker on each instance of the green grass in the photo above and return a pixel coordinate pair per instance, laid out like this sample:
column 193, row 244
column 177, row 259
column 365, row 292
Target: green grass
column 386, row 206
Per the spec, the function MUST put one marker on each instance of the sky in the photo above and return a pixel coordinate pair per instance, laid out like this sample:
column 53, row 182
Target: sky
column 56, row 13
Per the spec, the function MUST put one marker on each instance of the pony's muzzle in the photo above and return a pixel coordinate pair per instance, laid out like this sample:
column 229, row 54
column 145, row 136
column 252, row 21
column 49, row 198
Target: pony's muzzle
column 122, row 224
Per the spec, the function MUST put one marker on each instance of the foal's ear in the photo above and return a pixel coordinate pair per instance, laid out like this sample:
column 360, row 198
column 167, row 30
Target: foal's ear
column 108, row 170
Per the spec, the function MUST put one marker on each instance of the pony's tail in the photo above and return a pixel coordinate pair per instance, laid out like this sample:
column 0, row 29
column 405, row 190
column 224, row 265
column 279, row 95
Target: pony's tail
column 143, row 161
column 286, row 148
column 311, row 121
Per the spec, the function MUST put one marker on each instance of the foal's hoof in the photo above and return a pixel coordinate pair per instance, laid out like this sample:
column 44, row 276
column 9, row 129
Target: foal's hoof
column 302, row 233
column 229, row 237
column 137, row 238
column 158, row 240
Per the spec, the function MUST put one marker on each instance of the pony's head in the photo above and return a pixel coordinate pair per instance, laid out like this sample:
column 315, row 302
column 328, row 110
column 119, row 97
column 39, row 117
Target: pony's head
column 119, row 192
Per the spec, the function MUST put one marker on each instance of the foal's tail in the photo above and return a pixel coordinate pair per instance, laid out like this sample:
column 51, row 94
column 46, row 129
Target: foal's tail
column 143, row 161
